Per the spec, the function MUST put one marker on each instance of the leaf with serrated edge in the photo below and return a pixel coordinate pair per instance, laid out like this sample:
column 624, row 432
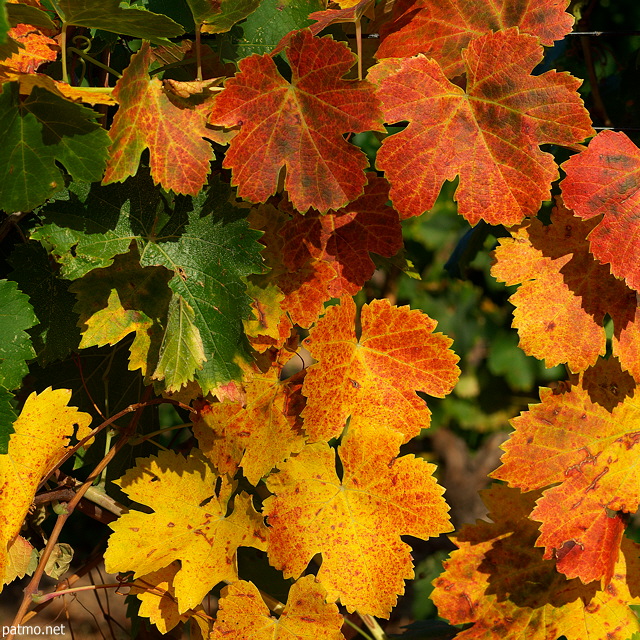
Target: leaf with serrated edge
column 605, row 180
column 16, row 315
column 590, row 451
column 171, row 128
column 243, row 614
column 257, row 435
column 564, row 294
column 39, row 131
column 40, row 439
column 374, row 379
column 489, row 134
column 356, row 522
column 205, row 243
column 188, row 523
column 442, row 29
column 498, row 581
column 181, row 351
column 110, row 16
column 298, row 125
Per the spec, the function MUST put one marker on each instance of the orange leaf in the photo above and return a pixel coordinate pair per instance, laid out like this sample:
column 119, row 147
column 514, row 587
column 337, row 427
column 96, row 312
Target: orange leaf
column 188, row 523
column 498, row 581
column 40, row 440
column 564, row 293
column 374, row 379
column 591, row 452
column 38, row 49
column 354, row 522
column 488, row 134
column 256, row 436
column 243, row 614
column 605, row 180
column 170, row 127
column 441, row 29
column 298, row 125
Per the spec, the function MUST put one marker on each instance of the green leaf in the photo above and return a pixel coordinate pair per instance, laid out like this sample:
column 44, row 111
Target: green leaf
column 123, row 298
column 181, row 353
column 4, row 22
column 38, row 131
column 56, row 334
column 266, row 26
column 226, row 14
column 177, row 10
column 16, row 316
column 204, row 242
column 25, row 14
column 110, row 16
column 7, row 418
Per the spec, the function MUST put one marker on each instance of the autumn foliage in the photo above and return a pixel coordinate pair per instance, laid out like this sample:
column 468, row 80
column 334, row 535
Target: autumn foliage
column 196, row 223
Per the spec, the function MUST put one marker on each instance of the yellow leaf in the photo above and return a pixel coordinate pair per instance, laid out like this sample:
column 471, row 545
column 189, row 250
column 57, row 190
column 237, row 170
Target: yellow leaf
column 188, row 523
column 256, row 436
column 243, row 614
column 40, row 439
column 158, row 602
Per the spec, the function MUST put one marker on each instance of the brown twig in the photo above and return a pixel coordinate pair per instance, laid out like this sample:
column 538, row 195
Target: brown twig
column 32, row 588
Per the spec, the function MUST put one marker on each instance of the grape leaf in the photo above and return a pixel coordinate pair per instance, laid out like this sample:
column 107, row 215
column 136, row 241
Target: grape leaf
column 7, row 418
column 268, row 25
column 583, row 537
column 298, row 125
column 349, row 12
column 256, row 435
column 39, row 131
column 243, row 614
column 304, row 290
column 498, row 581
column 109, row 15
column 40, row 439
column 488, row 134
column 55, row 334
column 354, row 522
column 189, row 523
column 35, row 49
column 374, row 378
column 16, row 316
column 158, row 602
column 181, row 351
column 205, row 243
column 4, row 22
column 591, row 453
column 442, row 29
column 114, row 301
column 173, row 129
column 345, row 238
column 25, row 14
column 564, row 293
column 605, row 179
column 221, row 15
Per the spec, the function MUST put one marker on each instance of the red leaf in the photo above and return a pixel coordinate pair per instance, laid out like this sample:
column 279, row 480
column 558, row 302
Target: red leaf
column 345, row 238
column 605, row 180
column 576, row 527
column 488, row 135
column 172, row 129
column 441, row 29
column 298, row 125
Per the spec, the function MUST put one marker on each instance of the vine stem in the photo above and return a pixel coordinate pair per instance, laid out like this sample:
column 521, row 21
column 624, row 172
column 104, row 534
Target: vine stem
column 373, row 626
column 111, row 420
column 34, row 583
column 198, row 54
column 65, row 592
